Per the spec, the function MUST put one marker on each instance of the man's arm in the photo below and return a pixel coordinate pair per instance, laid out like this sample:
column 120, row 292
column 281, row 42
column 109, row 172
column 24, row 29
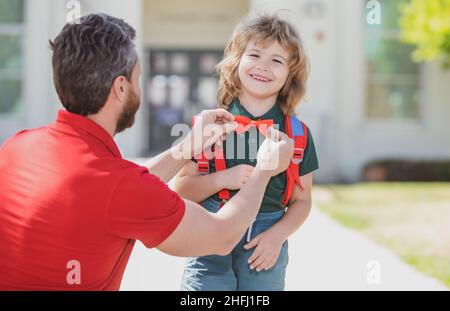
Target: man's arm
column 213, row 125
column 189, row 185
column 201, row 233
column 164, row 165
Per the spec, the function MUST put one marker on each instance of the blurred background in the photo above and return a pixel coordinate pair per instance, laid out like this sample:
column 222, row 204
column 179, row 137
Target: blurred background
column 378, row 106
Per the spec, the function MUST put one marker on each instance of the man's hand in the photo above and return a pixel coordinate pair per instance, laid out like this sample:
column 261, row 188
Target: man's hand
column 211, row 126
column 275, row 152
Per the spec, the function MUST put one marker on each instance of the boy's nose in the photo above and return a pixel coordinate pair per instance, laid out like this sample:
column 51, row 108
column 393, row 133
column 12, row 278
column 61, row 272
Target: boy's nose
column 262, row 68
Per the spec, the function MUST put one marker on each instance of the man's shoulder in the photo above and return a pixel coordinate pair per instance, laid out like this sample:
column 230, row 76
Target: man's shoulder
column 23, row 137
column 26, row 133
column 128, row 172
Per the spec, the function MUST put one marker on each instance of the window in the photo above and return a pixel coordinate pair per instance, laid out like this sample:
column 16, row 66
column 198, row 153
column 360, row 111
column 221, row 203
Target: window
column 181, row 83
column 11, row 54
column 393, row 79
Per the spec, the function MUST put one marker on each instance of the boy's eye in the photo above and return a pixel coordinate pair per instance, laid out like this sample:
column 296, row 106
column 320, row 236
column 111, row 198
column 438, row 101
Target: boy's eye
column 253, row 55
column 277, row 61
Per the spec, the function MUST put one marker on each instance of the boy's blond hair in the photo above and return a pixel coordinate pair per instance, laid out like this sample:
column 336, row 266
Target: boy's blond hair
column 264, row 29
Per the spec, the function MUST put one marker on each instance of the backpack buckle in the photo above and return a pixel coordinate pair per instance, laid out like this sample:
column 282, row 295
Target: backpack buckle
column 298, row 156
column 203, row 167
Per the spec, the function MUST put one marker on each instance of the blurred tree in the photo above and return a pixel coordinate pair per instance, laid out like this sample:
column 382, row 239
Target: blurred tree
column 426, row 24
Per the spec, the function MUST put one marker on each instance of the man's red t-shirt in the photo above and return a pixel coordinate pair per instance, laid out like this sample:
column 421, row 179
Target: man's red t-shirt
column 71, row 208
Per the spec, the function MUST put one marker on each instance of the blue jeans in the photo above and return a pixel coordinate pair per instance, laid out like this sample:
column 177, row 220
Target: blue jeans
column 232, row 272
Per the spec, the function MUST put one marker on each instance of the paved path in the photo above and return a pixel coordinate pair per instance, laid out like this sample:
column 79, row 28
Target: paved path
column 323, row 256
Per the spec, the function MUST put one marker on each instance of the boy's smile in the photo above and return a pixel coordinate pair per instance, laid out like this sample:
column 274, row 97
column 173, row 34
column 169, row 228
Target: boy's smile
column 260, row 78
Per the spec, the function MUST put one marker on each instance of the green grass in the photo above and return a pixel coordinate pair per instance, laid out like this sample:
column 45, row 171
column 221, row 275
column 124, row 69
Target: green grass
column 412, row 219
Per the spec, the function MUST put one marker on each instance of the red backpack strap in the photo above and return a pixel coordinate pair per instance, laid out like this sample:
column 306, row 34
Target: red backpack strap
column 298, row 131
column 219, row 162
column 202, row 159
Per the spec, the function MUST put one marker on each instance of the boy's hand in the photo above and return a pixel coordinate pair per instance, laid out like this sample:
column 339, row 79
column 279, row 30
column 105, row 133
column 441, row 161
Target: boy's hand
column 234, row 178
column 268, row 245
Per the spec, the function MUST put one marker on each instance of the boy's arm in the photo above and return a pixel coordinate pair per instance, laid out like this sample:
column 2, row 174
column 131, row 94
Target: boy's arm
column 191, row 186
column 298, row 210
column 196, row 188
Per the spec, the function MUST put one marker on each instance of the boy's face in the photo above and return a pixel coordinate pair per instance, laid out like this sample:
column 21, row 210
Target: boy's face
column 263, row 70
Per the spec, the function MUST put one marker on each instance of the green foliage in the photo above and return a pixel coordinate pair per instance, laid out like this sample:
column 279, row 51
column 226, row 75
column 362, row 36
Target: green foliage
column 426, row 24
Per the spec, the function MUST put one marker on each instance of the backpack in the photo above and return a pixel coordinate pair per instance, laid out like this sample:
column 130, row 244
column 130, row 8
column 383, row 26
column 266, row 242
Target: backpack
column 295, row 129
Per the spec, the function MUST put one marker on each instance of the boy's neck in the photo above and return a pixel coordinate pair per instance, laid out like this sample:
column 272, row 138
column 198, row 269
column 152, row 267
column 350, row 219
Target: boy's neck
column 257, row 106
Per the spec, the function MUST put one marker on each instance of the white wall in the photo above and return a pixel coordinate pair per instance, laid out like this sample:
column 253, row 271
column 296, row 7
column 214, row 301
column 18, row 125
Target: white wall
column 191, row 24
column 362, row 140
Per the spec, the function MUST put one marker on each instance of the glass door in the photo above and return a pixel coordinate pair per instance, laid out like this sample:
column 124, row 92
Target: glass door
column 180, row 84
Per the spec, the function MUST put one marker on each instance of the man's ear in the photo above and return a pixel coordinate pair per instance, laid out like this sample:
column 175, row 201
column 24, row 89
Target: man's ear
column 118, row 88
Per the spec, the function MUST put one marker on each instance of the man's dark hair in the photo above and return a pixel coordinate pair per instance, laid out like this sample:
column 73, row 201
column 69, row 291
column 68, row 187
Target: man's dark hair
column 87, row 57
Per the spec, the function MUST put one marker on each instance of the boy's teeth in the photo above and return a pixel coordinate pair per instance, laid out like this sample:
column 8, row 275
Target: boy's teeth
column 260, row 78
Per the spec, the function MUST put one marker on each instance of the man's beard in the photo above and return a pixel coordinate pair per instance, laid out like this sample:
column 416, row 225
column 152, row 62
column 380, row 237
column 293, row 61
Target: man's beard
column 126, row 118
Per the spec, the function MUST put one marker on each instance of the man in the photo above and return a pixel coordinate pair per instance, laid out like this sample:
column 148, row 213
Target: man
column 71, row 207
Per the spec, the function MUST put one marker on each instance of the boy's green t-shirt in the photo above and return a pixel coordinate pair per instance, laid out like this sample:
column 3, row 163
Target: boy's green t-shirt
column 252, row 139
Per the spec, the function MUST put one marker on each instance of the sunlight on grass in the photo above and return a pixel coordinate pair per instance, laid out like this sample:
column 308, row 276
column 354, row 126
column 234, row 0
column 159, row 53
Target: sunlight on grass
column 412, row 219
